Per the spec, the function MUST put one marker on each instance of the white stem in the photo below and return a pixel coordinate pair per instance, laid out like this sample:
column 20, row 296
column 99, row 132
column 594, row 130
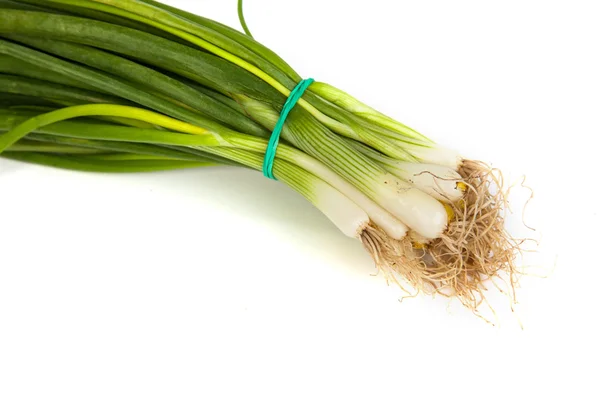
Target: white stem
column 438, row 181
column 392, row 226
column 382, row 218
column 435, row 154
column 418, row 210
column 343, row 212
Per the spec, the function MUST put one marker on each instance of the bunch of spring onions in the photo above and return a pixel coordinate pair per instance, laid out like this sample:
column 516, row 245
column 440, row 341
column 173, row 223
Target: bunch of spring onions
column 136, row 85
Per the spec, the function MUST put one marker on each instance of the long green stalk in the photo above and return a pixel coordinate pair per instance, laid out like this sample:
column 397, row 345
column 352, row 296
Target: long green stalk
column 89, row 164
column 26, row 145
column 336, row 118
column 70, row 9
column 246, row 73
column 147, row 78
column 333, row 118
column 242, row 39
column 42, row 120
column 242, row 18
column 14, row 100
column 200, row 66
column 19, row 5
column 198, row 34
column 123, row 147
column 42, row 89
column 14, row 66
column 104, row 82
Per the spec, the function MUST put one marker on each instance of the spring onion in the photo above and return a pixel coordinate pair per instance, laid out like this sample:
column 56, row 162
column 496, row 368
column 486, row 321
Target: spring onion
column 136, row 85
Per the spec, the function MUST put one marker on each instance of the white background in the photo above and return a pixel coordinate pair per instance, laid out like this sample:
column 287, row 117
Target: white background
column 222, row 284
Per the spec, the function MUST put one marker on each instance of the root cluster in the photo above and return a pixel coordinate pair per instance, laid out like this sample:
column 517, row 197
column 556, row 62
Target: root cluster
column 474, row 250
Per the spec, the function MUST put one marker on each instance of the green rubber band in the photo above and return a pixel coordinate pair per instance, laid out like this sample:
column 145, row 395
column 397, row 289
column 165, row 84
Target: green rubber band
column 291, row 101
